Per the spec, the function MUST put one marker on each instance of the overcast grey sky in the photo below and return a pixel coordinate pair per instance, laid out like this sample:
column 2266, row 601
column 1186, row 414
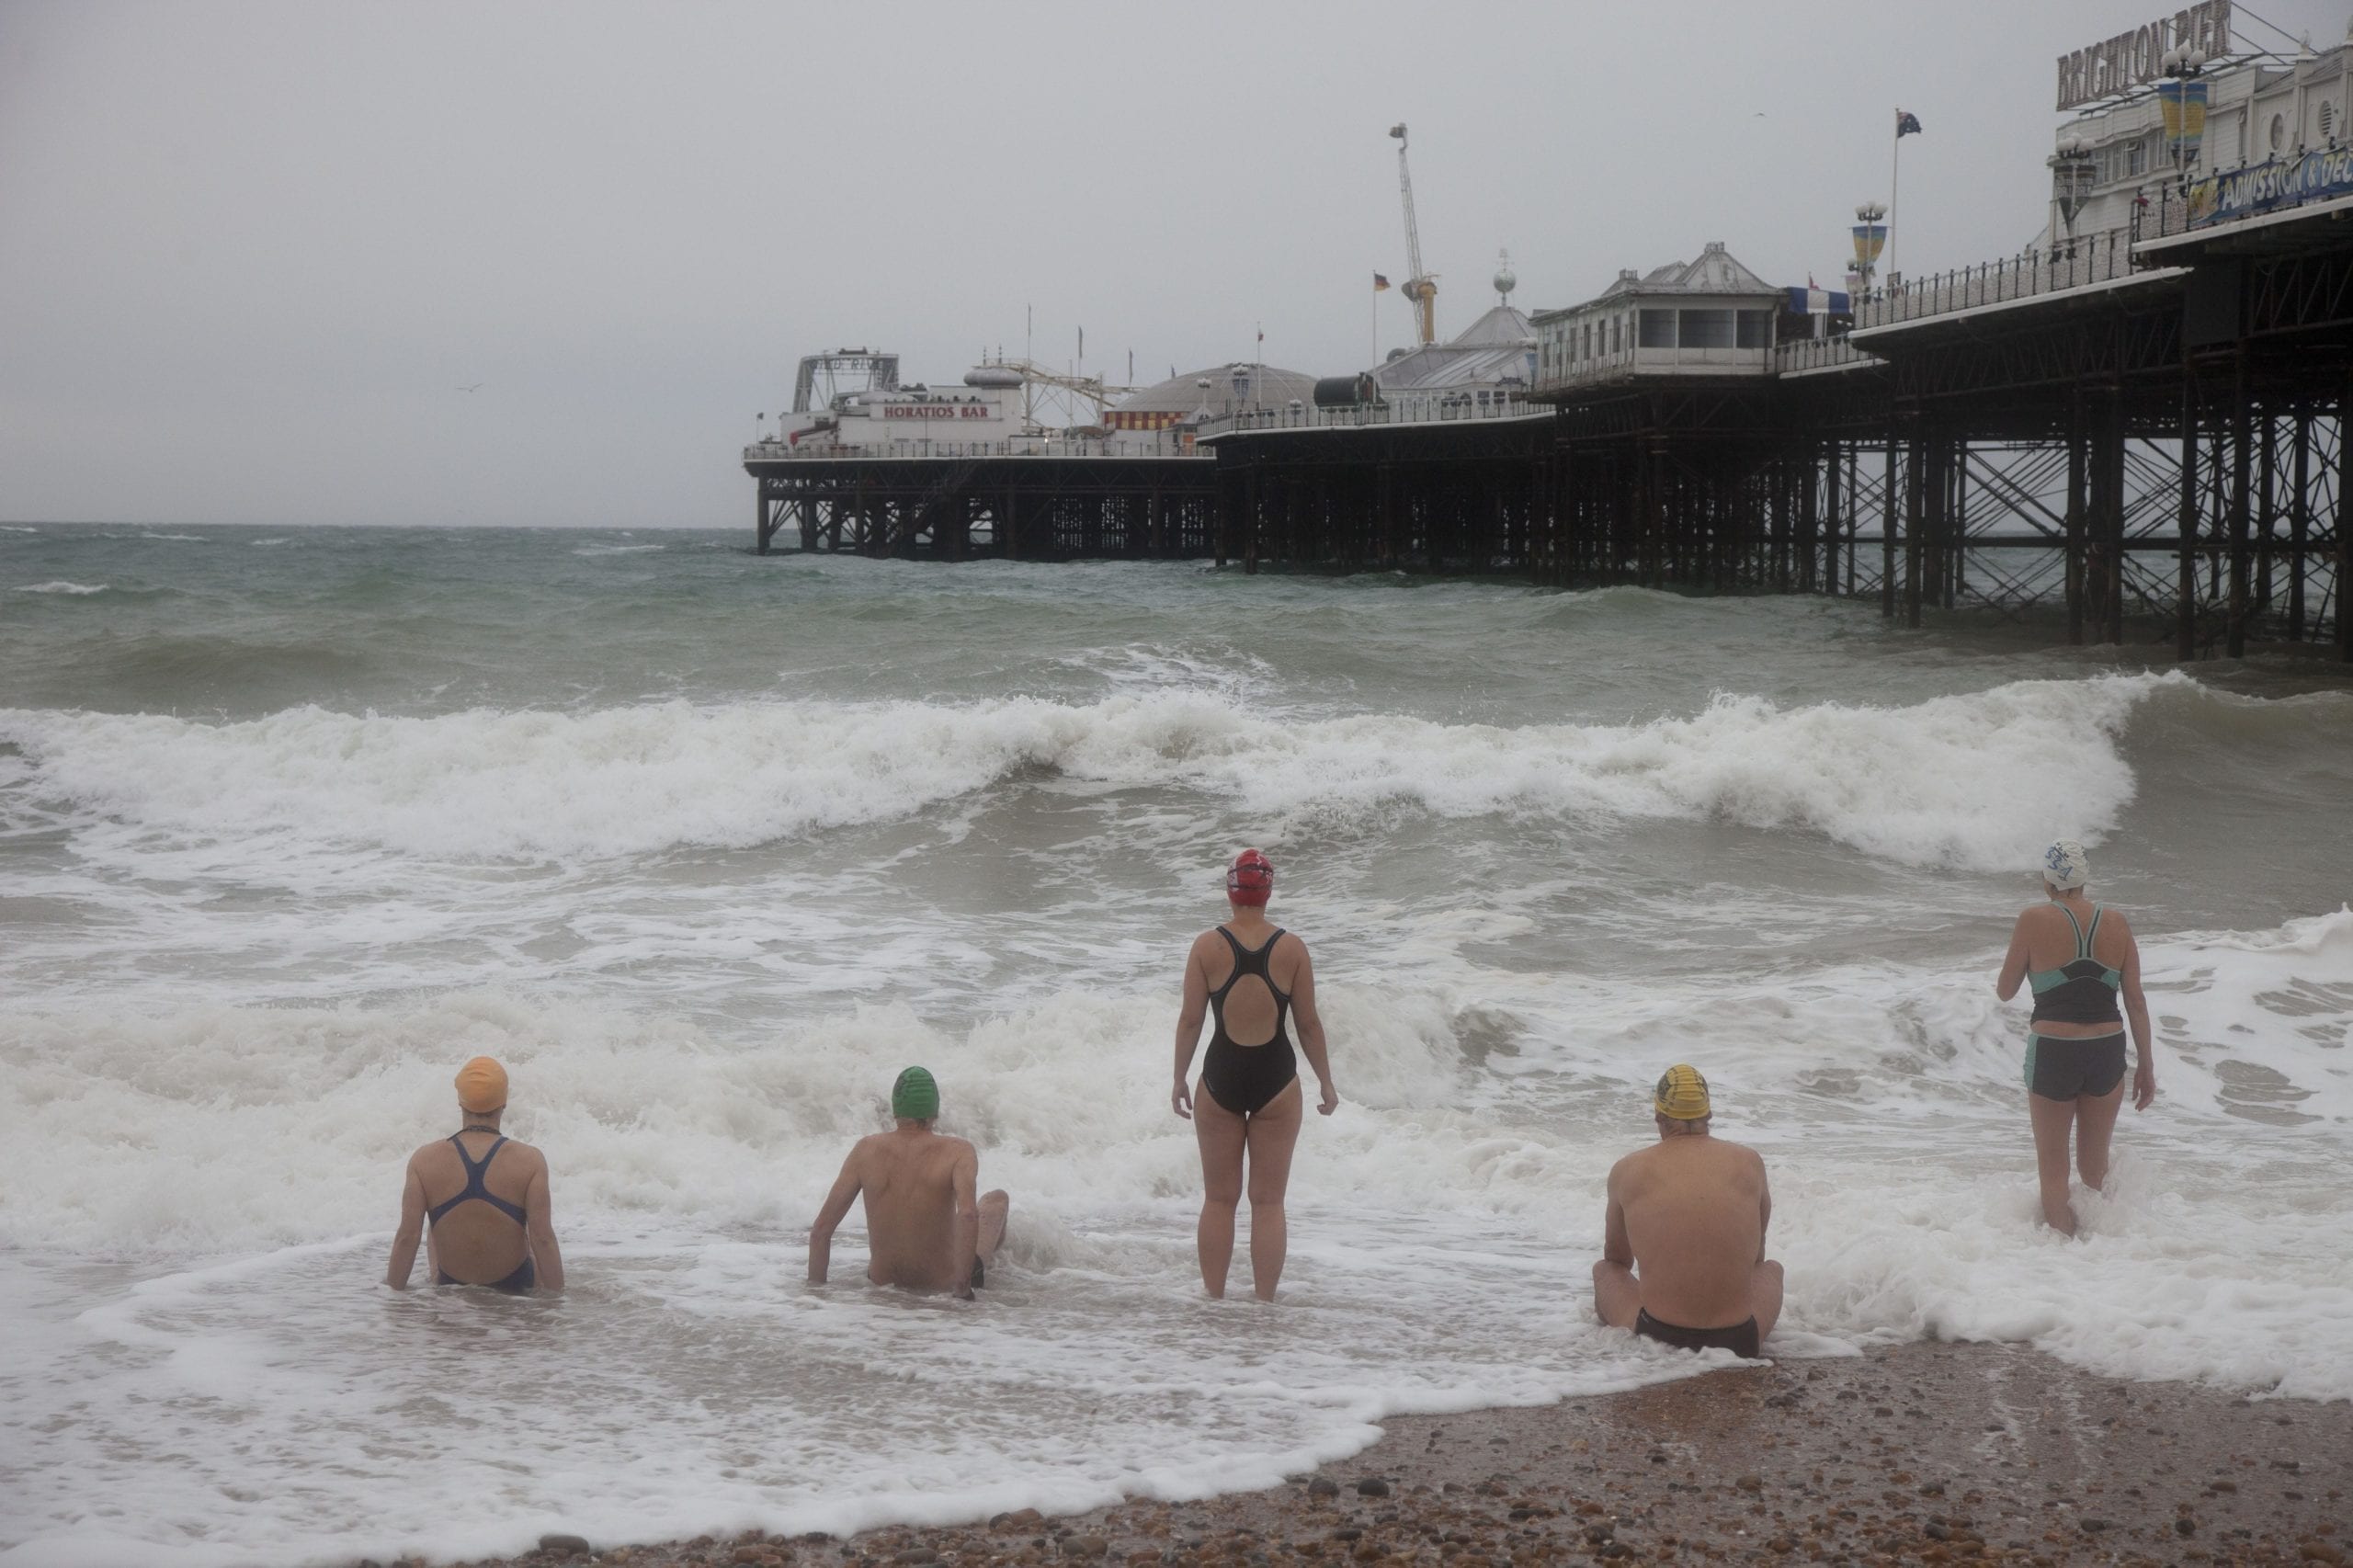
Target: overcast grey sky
column 248, row 253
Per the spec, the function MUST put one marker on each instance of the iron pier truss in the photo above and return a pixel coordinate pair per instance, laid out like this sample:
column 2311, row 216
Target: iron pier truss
column 2161, row 450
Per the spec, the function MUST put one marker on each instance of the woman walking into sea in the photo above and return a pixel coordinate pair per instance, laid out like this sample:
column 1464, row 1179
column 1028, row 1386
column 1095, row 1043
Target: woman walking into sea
column 2080, row 958
column 1252, row 976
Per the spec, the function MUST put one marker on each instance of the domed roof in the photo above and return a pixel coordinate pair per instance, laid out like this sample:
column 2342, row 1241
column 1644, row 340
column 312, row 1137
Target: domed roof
column 1230, row 388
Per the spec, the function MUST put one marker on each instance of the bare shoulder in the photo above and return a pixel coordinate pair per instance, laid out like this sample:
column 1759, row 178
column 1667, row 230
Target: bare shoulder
column 528, row 1153
column 1291, row 944
column 1628, row 1165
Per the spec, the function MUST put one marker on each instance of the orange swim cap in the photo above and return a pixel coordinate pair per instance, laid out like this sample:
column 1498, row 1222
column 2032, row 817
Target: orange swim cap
column 482, row 1087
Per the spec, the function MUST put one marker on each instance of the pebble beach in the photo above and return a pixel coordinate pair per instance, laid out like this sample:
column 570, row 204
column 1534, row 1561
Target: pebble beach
column 1930, row 1453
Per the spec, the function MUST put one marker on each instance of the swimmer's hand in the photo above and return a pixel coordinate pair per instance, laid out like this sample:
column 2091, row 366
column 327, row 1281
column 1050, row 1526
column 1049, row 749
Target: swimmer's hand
column 1181, row 1100
column 1331, row 1100
column 2144, row 1085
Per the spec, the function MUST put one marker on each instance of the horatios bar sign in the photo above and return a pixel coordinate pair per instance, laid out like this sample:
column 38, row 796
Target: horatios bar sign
column 2135, row 59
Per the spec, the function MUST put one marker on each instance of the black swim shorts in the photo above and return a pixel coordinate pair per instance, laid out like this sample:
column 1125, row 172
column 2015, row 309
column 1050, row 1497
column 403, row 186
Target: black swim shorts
column 1740, row 1338
column 2072, row 1068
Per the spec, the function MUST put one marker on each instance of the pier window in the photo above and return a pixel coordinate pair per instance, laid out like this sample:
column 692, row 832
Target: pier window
column 1657, row 329
column 1588, row 340
column 1706, row 329
column 1755, row 329
column 1617, row 334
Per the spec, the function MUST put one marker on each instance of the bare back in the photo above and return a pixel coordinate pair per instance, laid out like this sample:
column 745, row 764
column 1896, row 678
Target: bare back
column 1694, row 1210
column 1250, row 1009
column 476, row 1243
column 909, row 1181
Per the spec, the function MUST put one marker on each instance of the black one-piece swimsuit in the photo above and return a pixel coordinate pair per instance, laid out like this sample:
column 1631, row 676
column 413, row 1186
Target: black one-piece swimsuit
column 1245, row 1079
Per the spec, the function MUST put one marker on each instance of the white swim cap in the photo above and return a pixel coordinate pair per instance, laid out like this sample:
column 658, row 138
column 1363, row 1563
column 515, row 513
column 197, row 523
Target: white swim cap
column 2064, row 865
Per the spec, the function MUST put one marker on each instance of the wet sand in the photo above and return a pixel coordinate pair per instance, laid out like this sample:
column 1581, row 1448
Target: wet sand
column 1923, row 1453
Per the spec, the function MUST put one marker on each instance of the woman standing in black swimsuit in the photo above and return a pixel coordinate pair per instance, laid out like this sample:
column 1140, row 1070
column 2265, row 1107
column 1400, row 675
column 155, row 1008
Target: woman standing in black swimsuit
column 1250, row 975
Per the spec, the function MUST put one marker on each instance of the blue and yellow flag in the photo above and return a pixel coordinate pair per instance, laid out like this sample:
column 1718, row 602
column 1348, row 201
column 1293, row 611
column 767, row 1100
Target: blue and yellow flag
column 2183, row 104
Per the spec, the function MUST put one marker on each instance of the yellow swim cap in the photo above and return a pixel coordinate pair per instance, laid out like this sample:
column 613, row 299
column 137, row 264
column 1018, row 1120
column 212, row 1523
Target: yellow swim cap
column 1682, row 1094
column 482, row 1087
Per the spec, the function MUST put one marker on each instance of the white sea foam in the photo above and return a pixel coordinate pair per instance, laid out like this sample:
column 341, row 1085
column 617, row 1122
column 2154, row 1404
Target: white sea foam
column 63, row 588
column 239, row 959
column 619, row 548
column 1930, row 783
column 1442, row 1225
column 178, row 539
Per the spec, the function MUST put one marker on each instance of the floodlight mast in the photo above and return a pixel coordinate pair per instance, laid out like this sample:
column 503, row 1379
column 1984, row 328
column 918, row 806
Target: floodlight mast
column 1421, row 287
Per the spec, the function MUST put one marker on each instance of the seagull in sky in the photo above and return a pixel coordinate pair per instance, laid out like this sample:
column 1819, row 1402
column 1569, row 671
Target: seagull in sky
column 472, row 387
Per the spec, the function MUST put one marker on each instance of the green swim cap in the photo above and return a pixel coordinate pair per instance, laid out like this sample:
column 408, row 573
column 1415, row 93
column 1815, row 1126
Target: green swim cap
column 914, row 1097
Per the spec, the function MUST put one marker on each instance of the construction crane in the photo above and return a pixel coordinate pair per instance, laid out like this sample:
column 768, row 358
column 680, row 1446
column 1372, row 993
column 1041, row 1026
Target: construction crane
column 1421, row 287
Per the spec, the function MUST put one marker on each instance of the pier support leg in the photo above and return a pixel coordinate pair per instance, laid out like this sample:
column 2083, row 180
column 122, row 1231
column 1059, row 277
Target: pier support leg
column 1889, row 525
column 2078, row 507
column 2299, row 520
column 2266, row 512
column 2344, row 525
column 1915, row 482
column 2111, row 515
column 2241, row 480
column 2185, row 609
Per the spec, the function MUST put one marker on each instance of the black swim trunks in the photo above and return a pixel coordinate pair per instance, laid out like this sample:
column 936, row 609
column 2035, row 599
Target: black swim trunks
column 2060, row 1069
column 1740, row 1338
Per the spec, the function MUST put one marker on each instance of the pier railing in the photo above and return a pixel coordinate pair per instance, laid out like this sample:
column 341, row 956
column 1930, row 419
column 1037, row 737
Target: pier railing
column 1409, row 408
column 1138, row 444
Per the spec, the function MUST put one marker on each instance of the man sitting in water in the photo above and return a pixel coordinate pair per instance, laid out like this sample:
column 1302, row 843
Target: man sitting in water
column 925, row 1230
column 1690, row 1212
column 485, row 1196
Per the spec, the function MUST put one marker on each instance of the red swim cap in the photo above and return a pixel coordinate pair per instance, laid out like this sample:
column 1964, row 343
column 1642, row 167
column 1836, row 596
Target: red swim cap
column 1249, row 878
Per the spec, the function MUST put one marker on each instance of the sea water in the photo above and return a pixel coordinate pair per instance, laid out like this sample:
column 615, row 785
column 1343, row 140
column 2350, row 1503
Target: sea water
column 707, row 846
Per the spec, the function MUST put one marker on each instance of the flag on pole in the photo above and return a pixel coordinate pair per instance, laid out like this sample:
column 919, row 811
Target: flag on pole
column 1906, row 125
column 1378, row 282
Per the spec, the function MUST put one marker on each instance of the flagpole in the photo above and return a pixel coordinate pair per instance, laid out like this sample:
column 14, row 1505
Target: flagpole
column 1894, row 167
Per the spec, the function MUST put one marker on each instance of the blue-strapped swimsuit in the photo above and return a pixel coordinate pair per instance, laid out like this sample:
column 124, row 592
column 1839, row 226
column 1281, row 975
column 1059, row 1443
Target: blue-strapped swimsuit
column 523, row 1278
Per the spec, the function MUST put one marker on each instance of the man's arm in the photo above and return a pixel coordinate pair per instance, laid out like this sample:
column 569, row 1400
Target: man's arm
column 1764, row 1206
column 538, row 1225
column 1311, row 1031
column 1195, row 1009
column 838, row 1202
column 2013, row 974
column 1616, row 1246
column 968, row 1219
column 411, row 1229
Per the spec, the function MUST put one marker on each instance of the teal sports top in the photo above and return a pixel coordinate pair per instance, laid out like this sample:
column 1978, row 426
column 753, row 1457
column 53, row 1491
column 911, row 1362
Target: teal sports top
column 2082, row 990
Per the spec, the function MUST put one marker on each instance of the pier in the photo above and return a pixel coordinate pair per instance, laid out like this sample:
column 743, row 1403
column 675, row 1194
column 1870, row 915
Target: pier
column 2143, row 424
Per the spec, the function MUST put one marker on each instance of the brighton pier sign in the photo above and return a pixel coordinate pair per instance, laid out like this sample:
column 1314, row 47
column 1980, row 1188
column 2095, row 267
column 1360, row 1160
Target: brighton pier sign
column 2135, row 59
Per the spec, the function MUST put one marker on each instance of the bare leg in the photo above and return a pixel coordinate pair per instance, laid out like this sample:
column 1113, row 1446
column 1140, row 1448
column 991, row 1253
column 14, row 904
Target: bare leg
column 2095, row 1125
column 1272, row 1135
column 1765, row 1296
column 993, row 1209
column 1220, row 1134
column 1617, row 1295
column 2052, row 1120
